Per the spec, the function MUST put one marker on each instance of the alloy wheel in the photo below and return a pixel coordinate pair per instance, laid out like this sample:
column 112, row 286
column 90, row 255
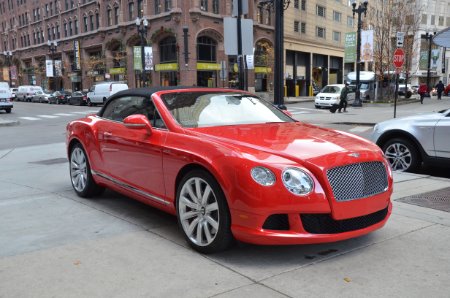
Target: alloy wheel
column 399, row 156
column 198, row 211
column 78, row 169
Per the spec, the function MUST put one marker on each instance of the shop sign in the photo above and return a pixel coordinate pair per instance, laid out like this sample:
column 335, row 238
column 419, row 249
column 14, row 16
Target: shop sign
column 166, row 67
column 208, row 66
column 263, row 69
column 117, row 70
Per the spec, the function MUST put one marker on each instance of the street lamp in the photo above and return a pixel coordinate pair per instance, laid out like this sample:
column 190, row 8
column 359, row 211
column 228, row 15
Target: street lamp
column 142, row 26
column 429, row 38
column 8, row 56
column 362, row 8
column 52, row 47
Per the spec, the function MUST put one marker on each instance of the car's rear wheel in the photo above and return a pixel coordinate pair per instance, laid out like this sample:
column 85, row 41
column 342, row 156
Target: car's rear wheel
column 89, row 103
column 81, row 175
column 401, row 154
column 203, row 213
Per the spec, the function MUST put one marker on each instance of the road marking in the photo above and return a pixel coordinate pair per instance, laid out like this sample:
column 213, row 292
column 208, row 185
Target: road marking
column 30, row 118
column 48, row 116
column 63, row 114
column 301, row 112
column 360, row 128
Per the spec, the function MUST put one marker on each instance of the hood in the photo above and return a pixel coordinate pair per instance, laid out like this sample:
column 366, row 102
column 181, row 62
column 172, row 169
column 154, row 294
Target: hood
column 296, row 141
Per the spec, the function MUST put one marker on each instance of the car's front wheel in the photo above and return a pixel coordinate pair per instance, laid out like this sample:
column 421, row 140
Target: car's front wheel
column 401, row 154
column 203, row 213
column 81, row 175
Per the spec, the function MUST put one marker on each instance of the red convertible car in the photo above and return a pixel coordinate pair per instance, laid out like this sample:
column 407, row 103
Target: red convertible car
column 231, row 166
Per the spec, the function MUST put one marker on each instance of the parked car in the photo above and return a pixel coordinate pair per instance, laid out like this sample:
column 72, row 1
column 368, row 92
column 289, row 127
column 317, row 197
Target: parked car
column 410, row 141
column 230, row 166
column 13, row 93
column 26, row 92
column 59, row 97
column 100, row 92
column 78, row 98
column 330, row 95
column 41, row 96
column 447, row 90
column 5, row 98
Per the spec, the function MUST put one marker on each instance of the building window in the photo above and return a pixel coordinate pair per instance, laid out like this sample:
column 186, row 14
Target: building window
column 424, row 19
column 85, row 22
column 320, row 11
column 109, row 16
column 441, row 21
column 303, row 27
column 204, row 5
column 65, row 29
column 206, row 49
column 337, row 36
column 76, row 25
column 296, row 25
column 168, row 49
column 91, row 21
column 215, row 6
column 46, row 11
column 49, row 32
column 130, row 11
column 70, row 28
column 296, row 4
column 54, row 33
column 349, row 22
column 97, row 20
column 337, row 16
column 167, row 5
column 320, row 32
column 304, row 5
column 140, row 9
column 116, row 15
column 157, row 6
column 432, row 20
column 448, row 21
column 58, row 33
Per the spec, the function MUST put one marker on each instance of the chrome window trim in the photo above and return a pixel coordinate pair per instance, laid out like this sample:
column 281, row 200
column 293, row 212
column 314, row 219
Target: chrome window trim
column 129, row 187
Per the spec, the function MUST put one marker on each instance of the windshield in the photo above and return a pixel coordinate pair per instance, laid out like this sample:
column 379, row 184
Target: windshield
column 331, row 89
column 202, row 109
column 364, row 86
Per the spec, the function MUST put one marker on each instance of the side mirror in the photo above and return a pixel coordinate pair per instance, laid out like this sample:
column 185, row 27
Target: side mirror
column 137, row 121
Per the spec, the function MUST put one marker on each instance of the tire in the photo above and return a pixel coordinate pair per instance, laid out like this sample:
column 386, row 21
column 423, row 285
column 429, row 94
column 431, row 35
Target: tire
column 206, row 223
column 89, row 103
column 80, row 174
column 8, row 110
column 402, row 155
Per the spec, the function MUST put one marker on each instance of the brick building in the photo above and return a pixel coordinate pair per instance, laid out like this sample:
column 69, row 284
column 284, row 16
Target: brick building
column 96, row 42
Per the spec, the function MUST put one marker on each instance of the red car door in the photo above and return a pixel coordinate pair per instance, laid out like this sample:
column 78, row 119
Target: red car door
column 132, row 157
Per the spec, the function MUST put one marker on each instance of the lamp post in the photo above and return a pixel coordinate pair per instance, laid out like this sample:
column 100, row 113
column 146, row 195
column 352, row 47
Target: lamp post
column 52, row 47
column 429, row 38
column 142, row 27
column 280, row 6
column 362, row 8
column 8, row 56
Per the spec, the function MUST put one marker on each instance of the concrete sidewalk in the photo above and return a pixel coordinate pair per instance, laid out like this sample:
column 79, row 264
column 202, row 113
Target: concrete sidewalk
column 55, row 244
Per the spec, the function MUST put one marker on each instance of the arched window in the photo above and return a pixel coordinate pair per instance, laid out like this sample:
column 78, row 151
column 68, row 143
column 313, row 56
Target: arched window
column 168, row 49
column 206, row 49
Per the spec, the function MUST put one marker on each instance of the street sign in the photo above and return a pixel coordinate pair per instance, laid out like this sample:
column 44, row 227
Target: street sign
column 400, row 39
column 399, row 57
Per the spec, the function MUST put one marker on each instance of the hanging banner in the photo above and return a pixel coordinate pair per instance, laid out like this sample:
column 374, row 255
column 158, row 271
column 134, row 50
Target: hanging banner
column 58, row 68
column 148, row 52
column 350, row 47
column 435, row 54
column 76, row 55
column 5, row 72
column 13, row 72
column 367, row 46
column 423, row 61
column 49, row 68
column 137, row 58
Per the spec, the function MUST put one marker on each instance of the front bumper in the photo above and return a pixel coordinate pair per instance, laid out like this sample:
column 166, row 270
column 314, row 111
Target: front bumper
column 311, row 228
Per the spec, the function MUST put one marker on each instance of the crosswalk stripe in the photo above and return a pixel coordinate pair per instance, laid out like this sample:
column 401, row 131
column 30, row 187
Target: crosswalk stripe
column 64, row 114
column 48, row 116
column 360, row 128
column 30, row 118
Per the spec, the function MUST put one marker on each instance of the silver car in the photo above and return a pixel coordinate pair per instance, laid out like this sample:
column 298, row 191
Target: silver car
column 408, row 142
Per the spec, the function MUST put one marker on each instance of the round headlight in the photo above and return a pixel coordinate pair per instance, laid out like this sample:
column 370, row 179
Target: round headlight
column 263, row 176
column 297, row 181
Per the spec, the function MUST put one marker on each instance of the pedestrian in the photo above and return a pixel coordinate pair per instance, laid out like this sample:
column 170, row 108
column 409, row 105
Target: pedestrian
column 423, row 89
column 440, row 88
column 343, row 102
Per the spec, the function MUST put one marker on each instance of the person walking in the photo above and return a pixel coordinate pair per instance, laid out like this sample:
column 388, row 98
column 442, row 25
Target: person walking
column 440, row 88
column 423, row 89
column 343, row 99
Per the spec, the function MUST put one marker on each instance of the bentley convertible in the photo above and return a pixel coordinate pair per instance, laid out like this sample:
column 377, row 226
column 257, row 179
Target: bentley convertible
column 231, row 166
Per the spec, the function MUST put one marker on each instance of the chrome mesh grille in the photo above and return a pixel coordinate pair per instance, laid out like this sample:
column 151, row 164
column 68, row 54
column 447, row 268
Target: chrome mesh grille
column 356, row 181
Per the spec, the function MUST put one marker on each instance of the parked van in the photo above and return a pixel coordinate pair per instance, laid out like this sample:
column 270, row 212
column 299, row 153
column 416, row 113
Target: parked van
column 367, row 84
column 5, row 97
column 26, row 93
column 100, row 92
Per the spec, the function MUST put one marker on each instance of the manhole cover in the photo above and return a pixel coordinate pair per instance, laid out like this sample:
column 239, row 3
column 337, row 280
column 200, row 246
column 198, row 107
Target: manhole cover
column 438, row 199
column 51, row 161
